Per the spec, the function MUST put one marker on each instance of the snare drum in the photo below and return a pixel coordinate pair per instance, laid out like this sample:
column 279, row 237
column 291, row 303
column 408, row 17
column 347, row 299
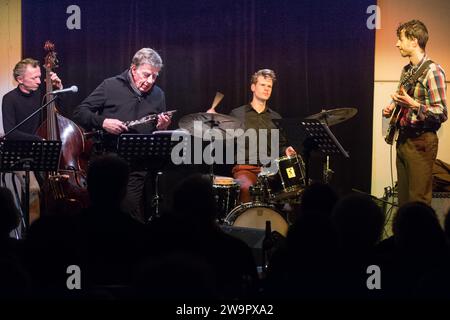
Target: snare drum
column 226, row 192
column 288, row 181
column 255, row 215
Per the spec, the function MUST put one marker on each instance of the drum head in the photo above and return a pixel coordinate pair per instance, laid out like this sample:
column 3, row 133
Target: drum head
column 293, row 195
column 220, row 180
column 249, row 215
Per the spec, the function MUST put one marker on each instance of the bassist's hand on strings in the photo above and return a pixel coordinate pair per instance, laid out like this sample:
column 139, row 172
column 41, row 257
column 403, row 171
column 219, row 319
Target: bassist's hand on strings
column 114, row 126
column 56, row 81
column 405, row 100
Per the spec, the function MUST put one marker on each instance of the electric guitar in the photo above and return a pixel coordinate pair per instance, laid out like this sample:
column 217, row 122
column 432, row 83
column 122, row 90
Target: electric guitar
column 406, row 83
column 394, row 122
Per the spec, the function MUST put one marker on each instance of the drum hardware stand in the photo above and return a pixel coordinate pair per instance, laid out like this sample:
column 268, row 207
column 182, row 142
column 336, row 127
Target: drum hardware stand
column 213, row 124
column 29, row 156
column 327, row 172
column 267, row 246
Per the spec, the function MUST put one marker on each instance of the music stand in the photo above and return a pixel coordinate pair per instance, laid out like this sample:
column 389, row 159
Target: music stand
column 21, row 155
column 145, row 152
column 317, row 136
column 149, row 152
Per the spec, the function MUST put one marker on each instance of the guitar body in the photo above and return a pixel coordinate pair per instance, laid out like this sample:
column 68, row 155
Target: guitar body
column 393, row 125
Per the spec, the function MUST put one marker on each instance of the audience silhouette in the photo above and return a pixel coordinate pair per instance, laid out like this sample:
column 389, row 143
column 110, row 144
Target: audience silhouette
column 15, row 281
column 191, row 228
column 185, row 254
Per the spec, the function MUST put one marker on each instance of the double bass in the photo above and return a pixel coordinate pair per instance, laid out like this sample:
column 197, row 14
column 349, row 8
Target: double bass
column 65, row 189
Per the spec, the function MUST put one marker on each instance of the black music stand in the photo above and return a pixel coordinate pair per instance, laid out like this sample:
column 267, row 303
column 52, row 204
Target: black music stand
column 150, row 152
column 318, row 137
column 145, row 152
column 29, row 156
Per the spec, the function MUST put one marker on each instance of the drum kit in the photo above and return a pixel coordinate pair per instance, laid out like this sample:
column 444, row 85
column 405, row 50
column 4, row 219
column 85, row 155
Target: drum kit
column 279, row 185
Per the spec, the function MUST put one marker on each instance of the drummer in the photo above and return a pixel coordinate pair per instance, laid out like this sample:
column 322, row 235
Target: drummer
column 257, row 115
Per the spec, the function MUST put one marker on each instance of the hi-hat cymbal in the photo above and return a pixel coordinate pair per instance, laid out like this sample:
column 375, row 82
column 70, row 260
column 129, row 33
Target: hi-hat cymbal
column 218, row 122
column 334, row 116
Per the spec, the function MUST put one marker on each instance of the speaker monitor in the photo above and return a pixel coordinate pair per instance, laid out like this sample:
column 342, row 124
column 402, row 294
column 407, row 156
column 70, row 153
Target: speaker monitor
column 441, row 204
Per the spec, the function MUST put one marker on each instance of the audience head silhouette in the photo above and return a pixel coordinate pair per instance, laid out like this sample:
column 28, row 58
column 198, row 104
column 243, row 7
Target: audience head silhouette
column 358, row 221
column 194, row 199
column 107, row 180
column 447, row 225
column 416, row 227
column 318, row 201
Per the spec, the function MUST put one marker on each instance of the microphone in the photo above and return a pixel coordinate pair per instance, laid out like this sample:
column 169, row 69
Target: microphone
column 71, row 89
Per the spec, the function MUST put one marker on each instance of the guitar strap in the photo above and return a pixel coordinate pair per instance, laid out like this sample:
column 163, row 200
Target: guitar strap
column 418, row 73
column 411, row 81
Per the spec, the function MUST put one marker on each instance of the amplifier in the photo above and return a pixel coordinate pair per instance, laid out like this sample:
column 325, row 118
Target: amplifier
column 440, row 203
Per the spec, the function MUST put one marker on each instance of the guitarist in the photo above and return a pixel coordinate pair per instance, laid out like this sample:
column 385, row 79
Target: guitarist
column 422, row 108
column 128, row 96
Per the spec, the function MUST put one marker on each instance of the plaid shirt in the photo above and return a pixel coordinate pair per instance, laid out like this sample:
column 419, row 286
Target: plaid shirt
column 429, row 90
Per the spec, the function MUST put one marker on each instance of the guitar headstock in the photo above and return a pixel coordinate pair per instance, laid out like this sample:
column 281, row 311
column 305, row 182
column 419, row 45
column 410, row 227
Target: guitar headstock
column 50, row 60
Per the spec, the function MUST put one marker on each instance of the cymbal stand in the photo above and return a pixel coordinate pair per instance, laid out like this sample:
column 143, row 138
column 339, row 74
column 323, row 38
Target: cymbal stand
column 213, row 124
column 327, row 172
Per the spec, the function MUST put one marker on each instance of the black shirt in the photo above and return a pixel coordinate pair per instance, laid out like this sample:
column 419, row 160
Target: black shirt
column 16, row 106
column 254, row 120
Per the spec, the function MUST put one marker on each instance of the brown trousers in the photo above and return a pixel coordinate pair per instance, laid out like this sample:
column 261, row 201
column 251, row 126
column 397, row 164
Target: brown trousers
column 415, row 159
column 247, row 176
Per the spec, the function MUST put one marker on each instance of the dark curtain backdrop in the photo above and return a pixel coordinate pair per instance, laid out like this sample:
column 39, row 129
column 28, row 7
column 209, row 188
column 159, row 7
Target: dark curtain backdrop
column 321, row 50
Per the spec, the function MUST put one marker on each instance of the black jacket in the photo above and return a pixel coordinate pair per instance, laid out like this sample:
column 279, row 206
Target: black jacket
column 115, row 98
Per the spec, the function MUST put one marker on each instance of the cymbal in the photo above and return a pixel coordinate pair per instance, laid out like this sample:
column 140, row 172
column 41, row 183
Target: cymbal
column 334, row 116
column 207, row 121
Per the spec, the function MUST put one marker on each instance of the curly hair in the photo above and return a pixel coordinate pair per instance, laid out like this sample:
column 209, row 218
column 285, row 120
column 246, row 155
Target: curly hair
column 414, row 29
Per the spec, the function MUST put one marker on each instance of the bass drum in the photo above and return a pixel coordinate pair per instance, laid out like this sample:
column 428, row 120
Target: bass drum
column 255, row 215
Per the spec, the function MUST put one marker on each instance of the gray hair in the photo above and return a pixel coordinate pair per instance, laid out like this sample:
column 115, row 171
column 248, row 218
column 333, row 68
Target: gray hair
column 21, row 66
column 147, row 56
